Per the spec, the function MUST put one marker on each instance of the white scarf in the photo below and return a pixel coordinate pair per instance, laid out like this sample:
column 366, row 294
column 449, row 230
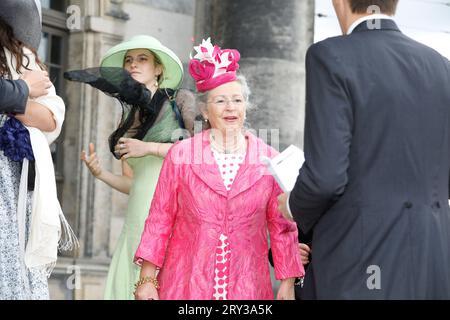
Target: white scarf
column 45, row 235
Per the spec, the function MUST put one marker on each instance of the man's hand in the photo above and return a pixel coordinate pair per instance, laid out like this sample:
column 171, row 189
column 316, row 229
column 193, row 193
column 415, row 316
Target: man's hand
column 304, row 250
column 282, row 206
column 38, row 83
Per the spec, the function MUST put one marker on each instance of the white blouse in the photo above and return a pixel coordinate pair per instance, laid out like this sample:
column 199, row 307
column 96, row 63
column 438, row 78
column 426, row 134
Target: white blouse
column 229, row 165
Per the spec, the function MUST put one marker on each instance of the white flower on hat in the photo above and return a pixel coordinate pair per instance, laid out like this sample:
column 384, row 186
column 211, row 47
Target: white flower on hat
column 205, row 51
column 214, row 55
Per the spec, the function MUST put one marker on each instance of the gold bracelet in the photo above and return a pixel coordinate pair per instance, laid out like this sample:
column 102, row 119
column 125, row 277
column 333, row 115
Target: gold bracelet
column 144, row 280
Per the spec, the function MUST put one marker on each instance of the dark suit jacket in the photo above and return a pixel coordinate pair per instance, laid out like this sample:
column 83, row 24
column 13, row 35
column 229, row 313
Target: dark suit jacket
column 375, row 183
column 13, row 96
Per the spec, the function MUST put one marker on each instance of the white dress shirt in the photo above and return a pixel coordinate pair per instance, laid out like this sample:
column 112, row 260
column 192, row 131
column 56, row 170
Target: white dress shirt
column 367, row 18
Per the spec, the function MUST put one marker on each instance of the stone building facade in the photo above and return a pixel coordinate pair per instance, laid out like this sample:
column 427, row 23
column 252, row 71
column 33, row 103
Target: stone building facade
column 272, row 37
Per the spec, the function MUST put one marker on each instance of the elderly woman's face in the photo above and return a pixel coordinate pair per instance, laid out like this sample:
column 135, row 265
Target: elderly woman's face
column 225, row 107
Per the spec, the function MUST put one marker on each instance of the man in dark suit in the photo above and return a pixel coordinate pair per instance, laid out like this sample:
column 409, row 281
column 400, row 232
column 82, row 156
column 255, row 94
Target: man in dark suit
column 375, row 184
column 14, row 93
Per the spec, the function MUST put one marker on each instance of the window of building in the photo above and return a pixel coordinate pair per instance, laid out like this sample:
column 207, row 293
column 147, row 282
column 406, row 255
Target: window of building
column 57, row 5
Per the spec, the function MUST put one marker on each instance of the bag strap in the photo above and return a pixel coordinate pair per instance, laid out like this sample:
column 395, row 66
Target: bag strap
column 177, row 112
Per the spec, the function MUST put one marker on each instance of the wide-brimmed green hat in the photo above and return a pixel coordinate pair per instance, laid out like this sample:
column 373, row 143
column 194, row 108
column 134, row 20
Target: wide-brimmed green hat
column 173, row 68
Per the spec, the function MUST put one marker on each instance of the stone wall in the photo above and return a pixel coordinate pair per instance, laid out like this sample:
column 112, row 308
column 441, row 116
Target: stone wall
column 96, row 211
column 272, row 39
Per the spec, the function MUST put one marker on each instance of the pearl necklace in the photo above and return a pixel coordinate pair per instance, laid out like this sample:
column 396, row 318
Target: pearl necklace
column 240, row 146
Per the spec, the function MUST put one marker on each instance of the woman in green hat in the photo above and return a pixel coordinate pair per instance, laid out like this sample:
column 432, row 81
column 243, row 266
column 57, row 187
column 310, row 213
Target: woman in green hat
column 141, row 141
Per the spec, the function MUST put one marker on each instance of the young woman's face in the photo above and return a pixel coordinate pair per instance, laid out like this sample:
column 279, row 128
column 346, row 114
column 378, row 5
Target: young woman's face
column 225, row 107
column 140, row 63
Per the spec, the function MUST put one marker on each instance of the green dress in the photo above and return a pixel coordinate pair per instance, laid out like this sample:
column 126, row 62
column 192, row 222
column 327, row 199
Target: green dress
column 123, row 273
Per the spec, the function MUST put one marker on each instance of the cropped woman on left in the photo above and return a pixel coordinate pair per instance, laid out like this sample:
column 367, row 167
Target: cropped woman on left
column 30, row 214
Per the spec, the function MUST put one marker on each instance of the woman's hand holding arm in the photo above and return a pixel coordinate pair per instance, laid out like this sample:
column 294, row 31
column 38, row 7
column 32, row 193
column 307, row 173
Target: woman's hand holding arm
column 134, row 148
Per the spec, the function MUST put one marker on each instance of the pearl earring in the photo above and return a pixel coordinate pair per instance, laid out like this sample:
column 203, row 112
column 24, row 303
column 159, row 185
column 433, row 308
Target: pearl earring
column 156, row 82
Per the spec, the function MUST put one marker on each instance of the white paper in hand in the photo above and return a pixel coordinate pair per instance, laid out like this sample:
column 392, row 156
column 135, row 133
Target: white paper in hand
column 285, row 167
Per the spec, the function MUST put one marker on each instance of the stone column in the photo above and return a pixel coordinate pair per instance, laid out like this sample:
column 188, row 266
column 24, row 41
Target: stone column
column 91, row 117
column 272, row 37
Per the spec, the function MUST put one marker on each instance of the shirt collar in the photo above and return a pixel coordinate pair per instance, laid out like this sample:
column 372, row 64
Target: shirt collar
column 367, row 18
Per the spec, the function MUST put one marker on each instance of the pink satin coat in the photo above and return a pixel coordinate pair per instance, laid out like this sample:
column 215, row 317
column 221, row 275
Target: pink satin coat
column 191, row 208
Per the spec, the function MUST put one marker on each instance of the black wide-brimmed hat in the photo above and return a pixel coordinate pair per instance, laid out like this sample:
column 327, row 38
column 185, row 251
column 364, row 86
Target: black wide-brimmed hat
column 24, row 17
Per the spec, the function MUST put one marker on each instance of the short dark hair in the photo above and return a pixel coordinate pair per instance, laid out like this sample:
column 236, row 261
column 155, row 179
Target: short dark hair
column 386, row 6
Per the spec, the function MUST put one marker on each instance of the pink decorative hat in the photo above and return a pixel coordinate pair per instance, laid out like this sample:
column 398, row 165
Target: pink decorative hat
column 212, row 66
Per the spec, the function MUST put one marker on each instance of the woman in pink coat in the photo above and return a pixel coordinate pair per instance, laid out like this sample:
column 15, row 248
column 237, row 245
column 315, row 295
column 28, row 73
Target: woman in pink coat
column 206, row 232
